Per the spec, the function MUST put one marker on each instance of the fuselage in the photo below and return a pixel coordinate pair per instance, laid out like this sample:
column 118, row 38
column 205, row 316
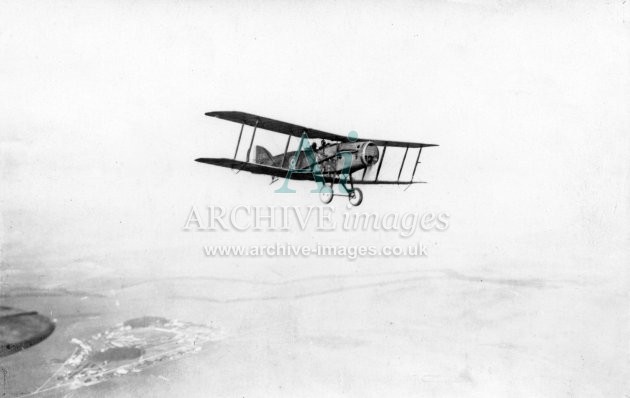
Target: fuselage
column 328, row 156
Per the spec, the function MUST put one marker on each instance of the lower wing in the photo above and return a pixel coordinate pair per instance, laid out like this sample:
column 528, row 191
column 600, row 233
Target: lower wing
column 299, row 174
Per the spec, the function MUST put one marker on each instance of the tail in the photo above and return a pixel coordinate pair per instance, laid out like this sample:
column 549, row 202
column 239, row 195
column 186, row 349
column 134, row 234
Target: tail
column 263, row 156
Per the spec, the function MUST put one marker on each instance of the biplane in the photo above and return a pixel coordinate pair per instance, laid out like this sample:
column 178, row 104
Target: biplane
column 367, row 157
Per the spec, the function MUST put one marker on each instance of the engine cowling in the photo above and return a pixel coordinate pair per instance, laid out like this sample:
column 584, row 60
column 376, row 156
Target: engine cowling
column 364, row 154
column 369, row 153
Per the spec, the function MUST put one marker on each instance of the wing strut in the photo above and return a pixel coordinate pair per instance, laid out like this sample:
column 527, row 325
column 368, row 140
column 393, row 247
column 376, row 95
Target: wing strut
column 252, row 141
column 402, row 164
column 238, row 143
column 286, row 148
column 378, row 171
column 416, row 165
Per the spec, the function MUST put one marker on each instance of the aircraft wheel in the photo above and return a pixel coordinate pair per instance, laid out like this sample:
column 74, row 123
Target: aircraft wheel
column 326, row 194
column 356, row 197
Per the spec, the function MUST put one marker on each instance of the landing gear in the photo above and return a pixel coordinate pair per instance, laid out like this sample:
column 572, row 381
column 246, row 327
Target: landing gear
column 355, row 197
column 326, row 194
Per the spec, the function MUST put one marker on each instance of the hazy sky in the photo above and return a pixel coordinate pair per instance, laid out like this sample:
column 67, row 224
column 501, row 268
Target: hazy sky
column 103, row 104
column 526, row 294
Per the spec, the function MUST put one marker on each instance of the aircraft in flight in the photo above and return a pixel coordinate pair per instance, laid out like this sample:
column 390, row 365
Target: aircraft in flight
column 337, row 160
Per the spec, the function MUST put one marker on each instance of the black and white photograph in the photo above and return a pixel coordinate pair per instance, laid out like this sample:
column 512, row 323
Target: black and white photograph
column 315, row 199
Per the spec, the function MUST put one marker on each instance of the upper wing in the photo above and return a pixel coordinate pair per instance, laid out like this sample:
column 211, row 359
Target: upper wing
column 296, row 131
column 275, row 125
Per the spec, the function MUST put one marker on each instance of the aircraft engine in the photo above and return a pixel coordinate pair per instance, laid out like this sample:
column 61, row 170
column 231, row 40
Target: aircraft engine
column 364, row 154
